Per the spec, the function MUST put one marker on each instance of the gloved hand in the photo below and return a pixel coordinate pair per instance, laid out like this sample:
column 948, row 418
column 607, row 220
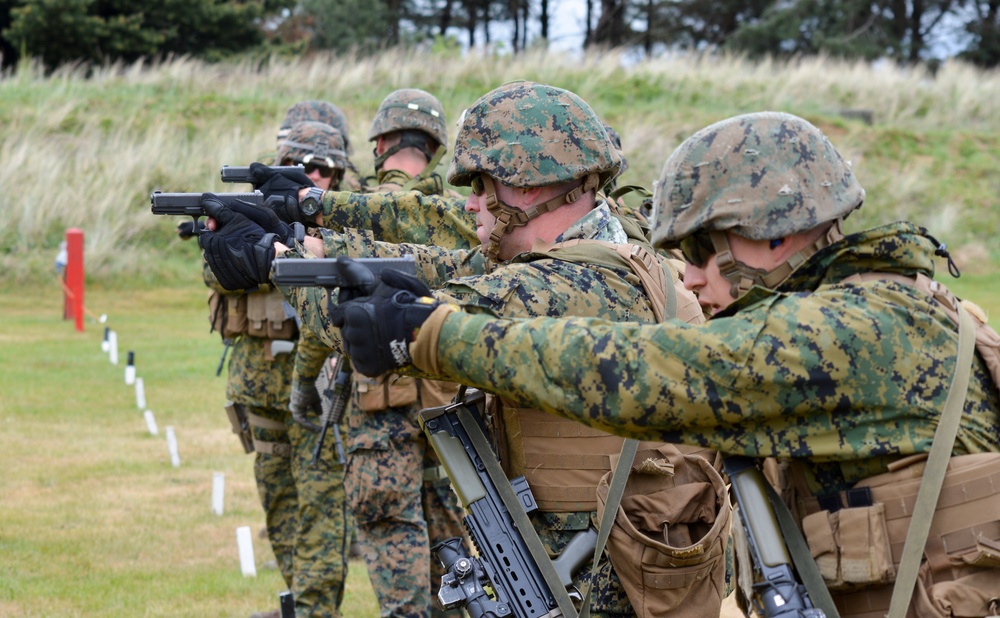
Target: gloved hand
column 281, row 190
column 240, row 251
column 305, row 403
column 185, row 229
column 377, row 330
column 265, row 218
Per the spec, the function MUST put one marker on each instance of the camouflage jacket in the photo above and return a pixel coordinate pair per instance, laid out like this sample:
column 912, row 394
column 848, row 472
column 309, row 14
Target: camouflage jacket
column 420, row 224
column 842, row 376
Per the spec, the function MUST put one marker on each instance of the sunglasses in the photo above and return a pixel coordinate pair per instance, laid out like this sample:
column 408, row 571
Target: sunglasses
column 697, row 248
column 324, row 170
column 476, row 182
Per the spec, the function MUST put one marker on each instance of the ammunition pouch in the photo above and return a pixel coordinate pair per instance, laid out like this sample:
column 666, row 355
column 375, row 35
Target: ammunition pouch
column 241, row 427
column 389, row 391
column 258, row 314
column 668, row 540
column 858, row 547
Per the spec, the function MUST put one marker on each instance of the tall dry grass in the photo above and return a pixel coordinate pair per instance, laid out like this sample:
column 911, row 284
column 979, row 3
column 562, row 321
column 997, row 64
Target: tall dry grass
column 84, row 148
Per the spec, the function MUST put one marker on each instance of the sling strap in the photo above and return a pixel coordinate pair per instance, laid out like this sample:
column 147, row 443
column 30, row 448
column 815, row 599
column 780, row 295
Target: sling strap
column 937, row 465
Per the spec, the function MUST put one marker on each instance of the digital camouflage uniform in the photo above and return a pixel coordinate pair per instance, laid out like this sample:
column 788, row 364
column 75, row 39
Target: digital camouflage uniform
column 322, row 538
column 260, row 382
column 535, row 283
column 838, row 374
column 402, row 502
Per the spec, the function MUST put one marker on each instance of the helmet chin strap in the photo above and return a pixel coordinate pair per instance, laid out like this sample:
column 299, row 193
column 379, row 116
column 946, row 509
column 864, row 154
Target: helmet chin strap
column 743, row 277
column 509, row 217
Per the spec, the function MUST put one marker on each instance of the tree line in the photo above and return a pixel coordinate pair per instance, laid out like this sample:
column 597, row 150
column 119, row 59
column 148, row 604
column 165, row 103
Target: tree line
column 101, row 31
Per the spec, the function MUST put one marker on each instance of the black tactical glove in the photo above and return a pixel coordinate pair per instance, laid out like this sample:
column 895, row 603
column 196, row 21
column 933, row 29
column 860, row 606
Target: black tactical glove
column 240, row 251
column 377, row 330
column 305, row 402
column 185, row 229
column 281, row 190
column 265, row 218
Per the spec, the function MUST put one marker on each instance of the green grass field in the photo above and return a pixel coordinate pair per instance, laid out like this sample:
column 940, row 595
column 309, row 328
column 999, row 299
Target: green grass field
column 94, row 519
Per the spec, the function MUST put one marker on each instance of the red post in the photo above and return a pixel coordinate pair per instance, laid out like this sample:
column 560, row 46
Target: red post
column 74, row 273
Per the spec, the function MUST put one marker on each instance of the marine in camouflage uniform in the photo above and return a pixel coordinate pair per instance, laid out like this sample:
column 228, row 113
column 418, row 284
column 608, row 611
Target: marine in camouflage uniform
column 571, row 277
column 322, row 538
column 829, row 353
column 401, row 499
column 330, row 114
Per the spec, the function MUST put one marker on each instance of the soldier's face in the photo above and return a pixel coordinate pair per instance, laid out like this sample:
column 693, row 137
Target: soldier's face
column 714, row 291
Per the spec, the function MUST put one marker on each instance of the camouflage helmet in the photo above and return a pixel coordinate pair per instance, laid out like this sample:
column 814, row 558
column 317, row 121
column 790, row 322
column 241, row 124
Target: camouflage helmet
column 410, row 109
column 314, row 142
column 318, row 111
column 526, row 134
column 616, row 142
column 763, row 176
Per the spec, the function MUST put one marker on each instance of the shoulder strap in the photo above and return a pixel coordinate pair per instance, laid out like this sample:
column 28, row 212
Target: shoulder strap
column 427, row 171
column 937, row 465
column 615, row 492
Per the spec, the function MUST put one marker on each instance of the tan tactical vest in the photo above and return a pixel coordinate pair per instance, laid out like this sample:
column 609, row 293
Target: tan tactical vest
column 563, row 460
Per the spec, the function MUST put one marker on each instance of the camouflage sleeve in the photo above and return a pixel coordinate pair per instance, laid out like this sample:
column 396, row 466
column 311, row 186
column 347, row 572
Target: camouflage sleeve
column 312, row 306
column 435, row 265
column 310, row 355
column 402, row 217
column 829, row 378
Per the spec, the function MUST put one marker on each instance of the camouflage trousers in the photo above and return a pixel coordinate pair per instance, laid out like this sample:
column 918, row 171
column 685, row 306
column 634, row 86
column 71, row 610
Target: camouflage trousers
column 607, row 597
column 387, row 495
column 321, row 541
column 277, row 491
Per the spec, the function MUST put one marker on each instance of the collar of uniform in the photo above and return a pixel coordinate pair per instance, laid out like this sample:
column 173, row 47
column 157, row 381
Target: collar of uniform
column 597, row 224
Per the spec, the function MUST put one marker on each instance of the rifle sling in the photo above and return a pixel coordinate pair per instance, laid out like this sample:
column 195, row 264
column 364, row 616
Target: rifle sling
column 517, row 513
column 934, row 472
column 615, row 492
column 801, row 556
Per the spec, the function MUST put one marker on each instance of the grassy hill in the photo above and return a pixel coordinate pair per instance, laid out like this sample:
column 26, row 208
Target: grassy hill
column 84, row 149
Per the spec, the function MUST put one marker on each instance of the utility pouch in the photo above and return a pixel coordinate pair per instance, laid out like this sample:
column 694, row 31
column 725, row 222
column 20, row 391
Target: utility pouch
column 390, row 391
column 267, row 318
column 241, row 426
column 851, row 546
column 228, row 314
column 669, row 536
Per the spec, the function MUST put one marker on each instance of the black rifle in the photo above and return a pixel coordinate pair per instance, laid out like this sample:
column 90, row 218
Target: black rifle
column 778, row 593
column 189, row 204
column 238, row 173
column 336, row 383
column 521, row 588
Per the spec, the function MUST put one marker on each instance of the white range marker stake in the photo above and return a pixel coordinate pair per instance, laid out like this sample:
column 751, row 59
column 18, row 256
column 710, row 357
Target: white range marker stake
column 113, row 347
column 150, row 422
column 175, row 459
column 140, row 394
column 130, row 368
column 245, row 544
column 218, row 491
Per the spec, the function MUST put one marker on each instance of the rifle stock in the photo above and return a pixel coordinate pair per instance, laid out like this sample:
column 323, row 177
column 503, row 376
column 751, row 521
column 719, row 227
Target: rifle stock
column 779, row 594
column 522, row 586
